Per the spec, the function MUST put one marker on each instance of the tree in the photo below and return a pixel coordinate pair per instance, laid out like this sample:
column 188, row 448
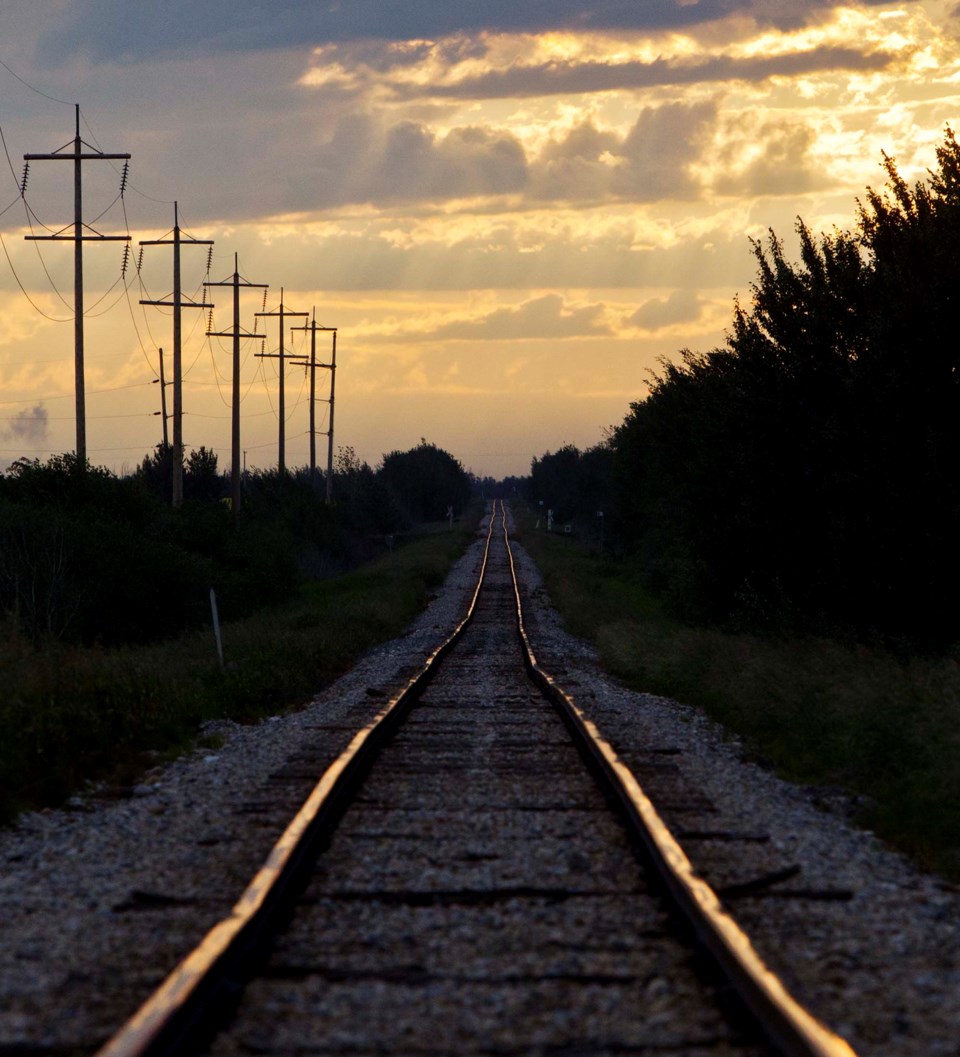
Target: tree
column 805, row 473
column 425, row 481
column 200, row 477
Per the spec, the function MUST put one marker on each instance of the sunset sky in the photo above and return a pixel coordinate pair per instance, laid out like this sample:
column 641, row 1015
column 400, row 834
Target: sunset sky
column 511, row 210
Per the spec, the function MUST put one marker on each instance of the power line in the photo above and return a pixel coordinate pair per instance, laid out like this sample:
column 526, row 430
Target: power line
column 23, row 289
column 13, row 172
column 27, row 84
column 69, row 418
column 31, row 216
column 64, row 396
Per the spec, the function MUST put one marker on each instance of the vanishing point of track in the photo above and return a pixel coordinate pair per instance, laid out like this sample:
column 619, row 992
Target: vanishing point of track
column 458, row 883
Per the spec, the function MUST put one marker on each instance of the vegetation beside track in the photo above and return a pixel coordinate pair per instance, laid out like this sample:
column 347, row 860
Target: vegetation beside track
column 106, row 648
column 70, row 713
column 883, row 728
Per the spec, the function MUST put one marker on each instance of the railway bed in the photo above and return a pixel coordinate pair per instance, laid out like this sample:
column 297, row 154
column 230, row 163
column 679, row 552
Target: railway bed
column 98, row 903
column 477, row 892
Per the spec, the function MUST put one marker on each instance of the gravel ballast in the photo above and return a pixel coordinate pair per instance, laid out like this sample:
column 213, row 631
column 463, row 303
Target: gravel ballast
column 99, row 900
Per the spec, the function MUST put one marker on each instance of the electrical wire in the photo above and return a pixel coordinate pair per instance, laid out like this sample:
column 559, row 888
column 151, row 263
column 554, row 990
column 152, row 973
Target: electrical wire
column 31, row 216
column 88, row 313
column 130, row 184
column 27, row 84
column 65, row 396
column 226, row 418
column 23, row 289
column 13, row 172
column 9, row 207
column 100, row 216
column 70, row 418
column 31, row 212
column 216, row 377
column 133, row 318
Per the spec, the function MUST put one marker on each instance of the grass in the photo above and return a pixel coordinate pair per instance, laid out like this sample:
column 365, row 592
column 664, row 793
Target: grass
column 886, row 729
column 71, row 714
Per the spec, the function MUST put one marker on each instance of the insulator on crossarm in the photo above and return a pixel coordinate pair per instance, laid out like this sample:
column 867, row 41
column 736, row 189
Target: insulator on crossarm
column 209, row 259
column 126, row 259
column 24, row 178
column 123, row 177
column 210, row 321
column 140, row 260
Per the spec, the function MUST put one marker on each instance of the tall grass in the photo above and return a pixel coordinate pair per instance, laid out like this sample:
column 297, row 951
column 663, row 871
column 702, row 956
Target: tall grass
column 69, row 714
column 882, row 727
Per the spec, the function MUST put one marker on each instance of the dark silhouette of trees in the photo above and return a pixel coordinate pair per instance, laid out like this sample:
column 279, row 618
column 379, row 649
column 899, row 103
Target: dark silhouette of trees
column 424, row 481
column 91, row 557
column 574, row 484
column 806, row 474
column 201, row 479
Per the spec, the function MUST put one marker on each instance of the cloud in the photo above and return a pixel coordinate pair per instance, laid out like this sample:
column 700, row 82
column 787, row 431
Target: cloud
column 543, row 317
column 363, row 161
column 120, row 31
column 652, row 161
column 682, row 306
column 499, row 257
column 30, row 425
column 588, row 77
column 767, row 157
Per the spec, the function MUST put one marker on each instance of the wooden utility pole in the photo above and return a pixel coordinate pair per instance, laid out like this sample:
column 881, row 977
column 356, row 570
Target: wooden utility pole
column 237, row 283
column 332, row 368
column 333, row 384
column 281, row 313
column 177, row 303
column 80, row 153
column 163, row 403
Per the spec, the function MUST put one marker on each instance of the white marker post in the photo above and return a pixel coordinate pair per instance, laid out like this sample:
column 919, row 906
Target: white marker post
column 216, row 626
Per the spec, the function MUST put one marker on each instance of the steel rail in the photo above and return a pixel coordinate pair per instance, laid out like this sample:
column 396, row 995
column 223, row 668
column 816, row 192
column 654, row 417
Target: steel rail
column 790, row 1027
column 204, row 978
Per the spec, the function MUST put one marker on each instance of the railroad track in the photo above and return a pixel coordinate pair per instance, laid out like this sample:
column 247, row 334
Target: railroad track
column 458, row 883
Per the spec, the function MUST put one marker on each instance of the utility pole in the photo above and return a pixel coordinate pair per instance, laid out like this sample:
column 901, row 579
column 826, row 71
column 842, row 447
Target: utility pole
column 333, row 383
column 163, row 404
column 237, row 283
column 281, row 313
column 332, row 368
column 177, row 303
column 78, row 156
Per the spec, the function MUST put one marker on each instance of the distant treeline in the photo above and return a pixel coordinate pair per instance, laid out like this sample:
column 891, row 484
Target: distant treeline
column 805, row 476
column 90, row 557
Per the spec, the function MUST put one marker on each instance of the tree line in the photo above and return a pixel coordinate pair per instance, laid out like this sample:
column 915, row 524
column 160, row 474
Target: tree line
column 88, row 556
column 805, row 475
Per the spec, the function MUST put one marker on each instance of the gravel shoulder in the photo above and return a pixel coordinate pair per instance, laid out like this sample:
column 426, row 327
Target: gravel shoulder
column 100, row 899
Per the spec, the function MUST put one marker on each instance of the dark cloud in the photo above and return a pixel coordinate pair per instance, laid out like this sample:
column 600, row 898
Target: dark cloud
column 580, row 77
column 682, row 306
column 384, row 56
column 652, row 161
column 578, row 166
column 783, row 166
column 121, row 31
column 364, row 162
column 541, row 317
